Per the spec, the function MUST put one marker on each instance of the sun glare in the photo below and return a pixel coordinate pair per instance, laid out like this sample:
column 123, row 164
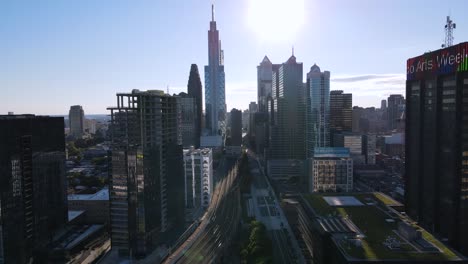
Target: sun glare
column 275, row 20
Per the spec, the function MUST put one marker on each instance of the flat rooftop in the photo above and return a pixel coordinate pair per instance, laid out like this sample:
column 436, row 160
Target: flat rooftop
column 368, row 216
column 102, row 195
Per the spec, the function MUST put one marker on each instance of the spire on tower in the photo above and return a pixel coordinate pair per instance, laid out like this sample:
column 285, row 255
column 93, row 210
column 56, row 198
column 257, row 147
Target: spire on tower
column 212, row 12
column 293, row 50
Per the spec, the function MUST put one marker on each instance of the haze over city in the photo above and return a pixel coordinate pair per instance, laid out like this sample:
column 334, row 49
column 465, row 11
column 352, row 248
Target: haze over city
column 58, row 54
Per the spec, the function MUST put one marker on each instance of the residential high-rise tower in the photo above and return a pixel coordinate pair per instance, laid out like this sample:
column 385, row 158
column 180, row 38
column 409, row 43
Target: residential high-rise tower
column 215, row 94
column 33, row 199
column 147, row 182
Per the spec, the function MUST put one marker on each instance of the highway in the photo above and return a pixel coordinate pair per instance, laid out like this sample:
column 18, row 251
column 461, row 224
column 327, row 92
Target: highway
column 219, row 224
column 268, row 211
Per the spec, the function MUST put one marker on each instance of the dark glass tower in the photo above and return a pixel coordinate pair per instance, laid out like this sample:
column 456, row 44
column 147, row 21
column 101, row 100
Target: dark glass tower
column 147, row 182
column 236, row 127
column 33, row 200
column 341, row 113
column 437, row 143
column 215, row 95
column 194, row 90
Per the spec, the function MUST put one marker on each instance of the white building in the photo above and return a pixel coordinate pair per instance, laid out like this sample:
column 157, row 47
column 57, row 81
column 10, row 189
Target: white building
column 198, row 176
column 331, row 169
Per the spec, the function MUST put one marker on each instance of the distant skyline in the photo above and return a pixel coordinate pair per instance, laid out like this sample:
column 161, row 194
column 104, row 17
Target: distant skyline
column 55, row 54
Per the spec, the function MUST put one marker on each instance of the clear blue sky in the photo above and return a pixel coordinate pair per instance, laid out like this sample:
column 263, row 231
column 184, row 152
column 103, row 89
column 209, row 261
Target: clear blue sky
column 54, row 54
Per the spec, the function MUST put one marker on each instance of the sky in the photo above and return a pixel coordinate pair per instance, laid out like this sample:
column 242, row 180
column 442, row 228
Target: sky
column 54, row 54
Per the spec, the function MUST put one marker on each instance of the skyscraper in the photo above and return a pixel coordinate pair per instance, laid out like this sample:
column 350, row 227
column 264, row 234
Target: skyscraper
column 341, row 112
column 288, row 134
column 76, row 119
column 236, row 127
column 436, row 185
column 394, row 111
column 33, row 199
column 264, row 78
column 147, row 182
column 318, row 107
column 194, row 90
column 189, row 120
column 215, row 94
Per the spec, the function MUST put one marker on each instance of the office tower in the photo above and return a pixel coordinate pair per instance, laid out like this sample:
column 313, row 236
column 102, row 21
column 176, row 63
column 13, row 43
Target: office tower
column 318, row 107
column 264, row 78
column 90, row 126
column 189, row 120
column 33, row 199
column 236, row 127
column 395, row 106
column 147, row 182
column 332, row 170
column 383, row 104
column 76, row 119
column 341, row 112
column 436, row 185
column 289, row 134
column 215, row 94
column 194, row 90
column 198, row 176
column 354, row 142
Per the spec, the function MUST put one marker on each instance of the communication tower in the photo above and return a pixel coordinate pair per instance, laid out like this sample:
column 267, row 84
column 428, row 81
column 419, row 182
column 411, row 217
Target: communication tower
column 449, row 27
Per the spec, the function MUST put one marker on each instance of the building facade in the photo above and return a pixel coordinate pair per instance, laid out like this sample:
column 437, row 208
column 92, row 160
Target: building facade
column 33, row 202
column 236, row 127
column 396, row 104
column 341, row 112
column 318, row 108
column 264, row 78
column 288, row 134
column 198, row 176
column 194, row 90
column 77, row 121
column 146, row 192
column 436, row 185
column 331, row 170
column 215, row 94
column 189, row 120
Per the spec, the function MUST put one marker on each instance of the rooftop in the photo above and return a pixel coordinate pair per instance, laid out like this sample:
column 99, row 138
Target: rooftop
column 375, row 228
column 102, row 195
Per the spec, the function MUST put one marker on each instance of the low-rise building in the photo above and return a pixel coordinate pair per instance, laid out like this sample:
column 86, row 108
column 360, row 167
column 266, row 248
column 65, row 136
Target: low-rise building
column 331, row 169
column 95, row 206
column 366, row 228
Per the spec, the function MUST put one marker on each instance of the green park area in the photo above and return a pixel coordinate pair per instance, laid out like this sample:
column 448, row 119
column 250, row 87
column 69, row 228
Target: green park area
column 376, row 222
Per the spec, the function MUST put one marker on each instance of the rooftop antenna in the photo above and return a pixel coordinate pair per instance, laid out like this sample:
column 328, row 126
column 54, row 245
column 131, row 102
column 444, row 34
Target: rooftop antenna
column 167, row 87
column 449, row 27
column 212, row 12
column 293, row 50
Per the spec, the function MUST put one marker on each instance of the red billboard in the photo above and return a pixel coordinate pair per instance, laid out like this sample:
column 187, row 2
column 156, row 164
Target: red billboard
column 444, row 61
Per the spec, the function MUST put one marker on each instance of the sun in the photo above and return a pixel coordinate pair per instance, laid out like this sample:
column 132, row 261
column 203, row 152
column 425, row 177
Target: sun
column 275, row 20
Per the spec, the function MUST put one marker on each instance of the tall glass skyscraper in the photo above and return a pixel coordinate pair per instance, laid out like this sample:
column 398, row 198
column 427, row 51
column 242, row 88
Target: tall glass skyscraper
column 318, row 109
column 215, row 96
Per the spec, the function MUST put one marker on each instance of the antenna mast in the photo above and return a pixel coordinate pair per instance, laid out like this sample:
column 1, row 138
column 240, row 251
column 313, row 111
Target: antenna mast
column 449, row 27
